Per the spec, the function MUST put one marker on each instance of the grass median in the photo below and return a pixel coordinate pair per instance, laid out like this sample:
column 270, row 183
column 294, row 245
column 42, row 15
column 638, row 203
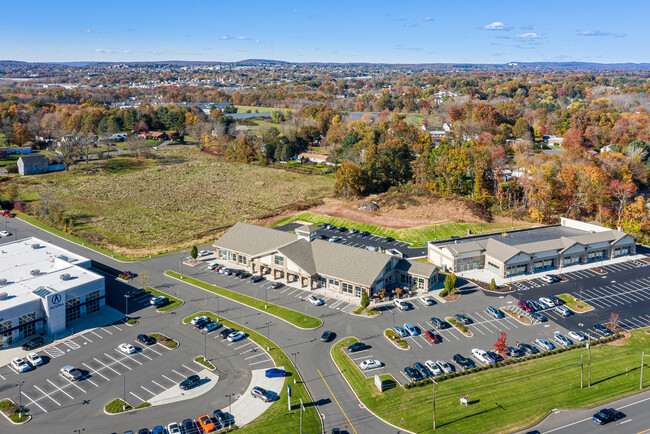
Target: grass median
column 292, row 316
column 508, row 398
column 277, row 419
column 173, row 301
column 574, row 304
column 12, row 411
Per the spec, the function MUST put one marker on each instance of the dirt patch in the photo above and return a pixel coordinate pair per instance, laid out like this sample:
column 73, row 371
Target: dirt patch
column 622, row 341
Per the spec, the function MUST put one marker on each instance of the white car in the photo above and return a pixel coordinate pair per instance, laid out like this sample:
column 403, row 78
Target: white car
column 544, row 344
column 173, row 428
column 547, row 279
column 197, row 318
column 5, row 233
column 19, row 364
column 34, row 359
column 433, row 367
column 236, row 336
column 315, row 300
column 126, row 348
column 203, row 253
column 577, row 336
column 370, row 364
column 401, row 305
column 482, row 356
column 546, row 302
column 334, row 239
column 446, row 367
column 426, row 301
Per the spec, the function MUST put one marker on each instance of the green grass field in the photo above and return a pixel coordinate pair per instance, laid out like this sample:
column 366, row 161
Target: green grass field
column 416, row 235
column 277, row 419
column 292, row 316
column 508, row 398
column 575, row 305
column 173, row 301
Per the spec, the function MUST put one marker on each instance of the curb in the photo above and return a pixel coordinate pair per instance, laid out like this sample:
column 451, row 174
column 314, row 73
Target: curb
column 507, row 312
column 250, row 307
column 447, row 318
column 165, row 346
column 408, row 347
column 124, row 412
column 214, row 368
column 29, row 416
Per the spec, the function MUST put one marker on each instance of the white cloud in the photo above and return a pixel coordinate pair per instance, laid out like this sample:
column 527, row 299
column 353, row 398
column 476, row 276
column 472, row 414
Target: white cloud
column 427, row 19
column 108, row 51
column 600, row 33
column 496, row 25
column 239, row 38
column 410, row 24
column 530, row 36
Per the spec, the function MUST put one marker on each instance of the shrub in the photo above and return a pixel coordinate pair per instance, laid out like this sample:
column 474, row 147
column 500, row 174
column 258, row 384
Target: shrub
column 407, row 386
column 11, row 168
column 365, row 300
column 493, row 285
column 194, row 253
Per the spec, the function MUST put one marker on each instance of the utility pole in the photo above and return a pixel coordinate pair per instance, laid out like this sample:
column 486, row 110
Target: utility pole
column 434, row 405
column 581, row 370
column 589, row 362
column 20, row 398
column 124, row 401
column 229, row 396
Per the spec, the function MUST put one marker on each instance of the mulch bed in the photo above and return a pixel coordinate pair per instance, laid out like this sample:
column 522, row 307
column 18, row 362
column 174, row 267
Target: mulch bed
column 646, row 260
column 598, row 270
column 453, row 297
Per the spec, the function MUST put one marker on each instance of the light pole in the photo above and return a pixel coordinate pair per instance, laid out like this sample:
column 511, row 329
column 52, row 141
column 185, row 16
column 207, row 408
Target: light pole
column 124, row 400
column 229, row 396
column 205, row 345
column 268, row 339
column 20, row 398
column 295, row 364
column 126, row 308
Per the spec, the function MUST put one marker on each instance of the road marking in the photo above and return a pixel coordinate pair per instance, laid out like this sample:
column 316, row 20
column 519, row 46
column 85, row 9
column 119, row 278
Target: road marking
column 99, row 336
column 245, row 345
column 3, row 378
column 157, row 384
column 54, row 352
column 144, row 355
column 33, row 402
column 107, row 331
column 261, row 361
column 151, row 349
column 189, row 369
column 118, row 361
column 130, row 358
column 141, row 400
column 337, row 402
column 83, row 336
column 85, row 377
column 106, row 366
column 48, row 396
column 148, row 390
column 178, row 373
column 167, row 378
column 96, row 372
column 117, row 327
column 12, row 368
column 60, row 390
column 256, row 355
column 77, row 386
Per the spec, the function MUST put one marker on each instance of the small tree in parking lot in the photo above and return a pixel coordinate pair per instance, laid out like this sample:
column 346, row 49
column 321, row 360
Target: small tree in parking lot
column 365, row 300
column 500, row 345
column 493, row 285
column 194, row 253
column 450, row 283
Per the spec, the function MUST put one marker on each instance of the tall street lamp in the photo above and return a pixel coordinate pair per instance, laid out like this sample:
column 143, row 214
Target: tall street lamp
column 295, row 364
column 229, row 396
column 268, row 339
column 20, row 399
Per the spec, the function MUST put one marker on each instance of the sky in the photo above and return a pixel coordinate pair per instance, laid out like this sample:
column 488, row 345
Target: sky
column 433, row 31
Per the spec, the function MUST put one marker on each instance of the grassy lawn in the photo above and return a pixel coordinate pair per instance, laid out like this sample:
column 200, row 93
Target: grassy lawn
column 206, row 363
column 316, row 168
column 170, row 202
column 276, row 419
column 164, row 340
column 292, row 316
column 11, row 409
column 574, row 304
column 495, row 395
column 9, row 159
column 418, row 235
column 117, row 406
column 173, row 301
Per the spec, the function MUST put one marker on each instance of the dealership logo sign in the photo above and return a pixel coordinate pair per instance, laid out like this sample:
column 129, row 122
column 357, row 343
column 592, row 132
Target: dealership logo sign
column 55, row 301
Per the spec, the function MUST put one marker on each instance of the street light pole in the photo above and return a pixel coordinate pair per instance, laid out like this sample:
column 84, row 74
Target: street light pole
column 126, row 301
column 295, row 364
column 124, row 400
column 229, row 396
column 268, row 339
column 20, row 399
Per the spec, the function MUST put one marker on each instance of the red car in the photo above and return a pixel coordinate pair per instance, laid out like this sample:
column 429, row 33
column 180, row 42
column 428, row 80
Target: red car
column 5, row 213
column 432, row 337
column 525, row 306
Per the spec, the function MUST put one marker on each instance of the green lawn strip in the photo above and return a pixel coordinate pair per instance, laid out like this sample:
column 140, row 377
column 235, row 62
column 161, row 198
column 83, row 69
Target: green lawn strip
column 277, row 419
column 419, row 234
column 574, row 304
column 164, row 340
column 173, row 301
column 291, row 316
column 117, row 406
column 206, row 363
column 11, row 410
column 508, row 398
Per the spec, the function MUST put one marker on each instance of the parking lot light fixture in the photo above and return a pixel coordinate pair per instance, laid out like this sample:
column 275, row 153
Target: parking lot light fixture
column 229, row 396
column 295, row 364
column 126, row 308
column 124, row 400
column 20, row 398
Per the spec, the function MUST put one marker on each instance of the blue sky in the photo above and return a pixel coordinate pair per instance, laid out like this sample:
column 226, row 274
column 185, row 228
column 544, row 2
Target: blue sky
column 331, row 31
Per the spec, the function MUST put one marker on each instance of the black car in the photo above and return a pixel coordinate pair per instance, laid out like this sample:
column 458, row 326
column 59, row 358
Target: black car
column 389, row 239
column 412, row 374
column 276, row 285
column 437, row 323
column 463, row 319
column 364, row 233
column 343, row 229
column 225, row 332
column 146, row 339
column 598, row 327
column 199, row 324
column 245, row 275
column 554, row 278
column 144, row 431
column 463, row 361
column 36, row 342
column 188, row 426
column 222, row 418
column 239, row 273
column 135, row 292
column 528, row 349
column 423, row 370
column 606, row 415
column 256, row 279
column 515, row 352
column 538, row 316
column 160, row 302
column 496, row 357
column 359, row 346
column 556, row 300
column 189, row 382
column 322, row 237
column 326, row 336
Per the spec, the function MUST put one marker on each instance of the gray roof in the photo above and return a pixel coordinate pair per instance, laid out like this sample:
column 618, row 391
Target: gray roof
column 500, row 251
column 470, row 246
column 252, row 239
column 300, row 252
column 33, row 158
column 348, row 263
column 416, row 267
column 310, row 229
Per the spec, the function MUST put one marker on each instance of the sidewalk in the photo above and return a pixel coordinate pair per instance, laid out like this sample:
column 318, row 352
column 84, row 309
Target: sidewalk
column 175, row 394
column 247, row 408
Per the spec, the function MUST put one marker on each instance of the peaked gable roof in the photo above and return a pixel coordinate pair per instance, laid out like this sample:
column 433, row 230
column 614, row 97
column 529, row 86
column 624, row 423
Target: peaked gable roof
column 253, row 239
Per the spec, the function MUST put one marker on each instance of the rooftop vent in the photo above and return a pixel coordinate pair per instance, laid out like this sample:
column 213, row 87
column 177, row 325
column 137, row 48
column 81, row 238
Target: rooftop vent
column 36, row 246
column 3, row 282
column 65, row 276
column 4, row 296
column 35, row 272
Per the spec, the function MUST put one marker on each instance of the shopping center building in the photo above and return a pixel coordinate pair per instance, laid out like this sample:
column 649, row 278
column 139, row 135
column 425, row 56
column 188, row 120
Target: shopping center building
column 43, row 288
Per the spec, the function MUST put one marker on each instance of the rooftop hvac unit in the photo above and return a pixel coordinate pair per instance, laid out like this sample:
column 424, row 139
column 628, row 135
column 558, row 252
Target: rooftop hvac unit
column 3, row 282
column 36, row 246
column 4, row 296
column 35, row 272
column 65, row 276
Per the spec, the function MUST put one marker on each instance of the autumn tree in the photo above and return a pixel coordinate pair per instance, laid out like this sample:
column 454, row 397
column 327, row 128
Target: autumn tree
column 573, row 138
column 622, row 192
column 521, row 128
column 350, row 180
column 137, row 145
column 500, row 345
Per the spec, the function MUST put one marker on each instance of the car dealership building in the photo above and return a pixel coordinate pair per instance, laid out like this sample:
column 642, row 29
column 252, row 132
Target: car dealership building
column 312, row 263
column 42, row 288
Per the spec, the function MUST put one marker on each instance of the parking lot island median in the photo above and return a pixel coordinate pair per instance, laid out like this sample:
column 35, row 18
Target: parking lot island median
column 578, row 306
column 523, row 319
column 399, row 343
column 293, row 317
column 11, row 411
column 173, row 301
column 460, row 327
column 118, row 405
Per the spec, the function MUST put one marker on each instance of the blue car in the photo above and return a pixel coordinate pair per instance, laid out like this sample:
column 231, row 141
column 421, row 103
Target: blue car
column 275, row 372
column 256, row 279
column 158, row 430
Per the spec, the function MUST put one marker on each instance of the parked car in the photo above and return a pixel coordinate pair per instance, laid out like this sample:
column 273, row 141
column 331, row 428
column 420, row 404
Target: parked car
column 326, row 336
column 315, row 300
column 197, row 319
column 129, row 275
column 432, row 337
column 33, row 343
column 598, row 327
column 143, row 431
column 334, row 239
column 358, row 346
column 206, row 424
column 20, row 365
column 364, row 233
column 71, row 373
column 134, row 293
column 202, row 323
column 524, row 305
column 547, row 279
column 533, row 305
column 482, row 356
column 412, row 331
column 370, row 364
column 261, row 393
column 606, row 415
column 188, row 426
column 538, row 316
column 547, row 302
column 332, row 227
column 433, row 367
column 515, row 352
column 563, row 310
column 275, row 372
column 463, row 361
column 204, row 253
column 438, row 323
column 426, row 301
column 412, row 374
column 577, row 336
column 496, row 313
column 562, row 340
column 446, row 367
column 4, row 234
column 34, row 359
column 225, row 332
column 189, row 382
column 496, row 357
column 146, row 339
column 544, row 344
column 276, row 285
column 126, row 348
column 236, row 336
column 160, row 302
column 222, row 418
column 528, row 349
column 322, row 237
column 555, row 300
column 354, row 231
column 423, row 370
column 401, row 305
column 256, row 279
column 463, row 319
column 389, row 239
column 213, row 266
column 213, row 325
column 173, row 428
column 399, row 331
column 158, row 430
column 5, row 213
column 343, row 229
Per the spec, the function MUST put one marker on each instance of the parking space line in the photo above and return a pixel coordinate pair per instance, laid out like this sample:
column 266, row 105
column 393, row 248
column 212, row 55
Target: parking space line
column 413, row 339
column 99, row 336
column 77, row 386
column 60, row 390
column 261, row 361
column 33, row 402
column 150, row 392
column 256, row 355
column 48, row 396
column 141, row 353
column 245, row 345
column 132, row 358
column 118, row 361
column 96, row 372
column 84, row 336
column 189, row 369
column 364, row 357
column 110, row 333
column 141, row 400
column 158, row 384
column 12, row 368
column 3, row 378
column 151, row 349
column 178, row 373
column 117, row 327
column 167, row 378
column 106, row 366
